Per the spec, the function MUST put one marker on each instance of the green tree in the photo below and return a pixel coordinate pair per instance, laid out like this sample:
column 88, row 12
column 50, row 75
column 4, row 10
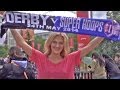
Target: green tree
column 115, row 15
column 108, row 46
column 3, row 51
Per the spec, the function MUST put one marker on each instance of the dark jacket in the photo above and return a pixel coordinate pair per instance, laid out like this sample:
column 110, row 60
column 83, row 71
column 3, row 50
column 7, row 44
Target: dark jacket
column 111, row 68
column 11, row 71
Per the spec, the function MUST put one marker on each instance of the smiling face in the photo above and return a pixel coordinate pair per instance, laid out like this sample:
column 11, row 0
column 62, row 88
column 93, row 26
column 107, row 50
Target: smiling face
column 57, row 45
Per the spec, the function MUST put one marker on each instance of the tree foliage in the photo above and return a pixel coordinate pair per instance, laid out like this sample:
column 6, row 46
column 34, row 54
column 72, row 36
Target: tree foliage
column 108, row 46
column 3, row 51
column 115, row 15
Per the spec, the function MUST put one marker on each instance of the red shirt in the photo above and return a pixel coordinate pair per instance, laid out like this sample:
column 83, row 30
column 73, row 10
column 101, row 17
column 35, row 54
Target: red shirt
column 49, row 70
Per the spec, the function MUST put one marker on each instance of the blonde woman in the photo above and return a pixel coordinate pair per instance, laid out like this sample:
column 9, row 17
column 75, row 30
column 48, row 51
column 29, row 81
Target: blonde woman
column 56, row 62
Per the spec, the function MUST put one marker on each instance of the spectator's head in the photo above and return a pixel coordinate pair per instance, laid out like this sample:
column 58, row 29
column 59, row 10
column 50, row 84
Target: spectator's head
column 95, row 55
column 117, row 57
column 98, row 58
column 106, row 56
column 15, row 52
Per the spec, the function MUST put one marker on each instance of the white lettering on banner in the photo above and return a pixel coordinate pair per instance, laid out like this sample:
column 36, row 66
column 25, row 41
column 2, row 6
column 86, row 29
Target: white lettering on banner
column 35, row 26
column 34, row 19
column 74, row 30
column 58, row 28
column 78, row 23
column 53, row 28
column 69, row 24
column 48, row 27
column 28, row 19
column 41, row 26
column 66, row 22
column 9, row 17
column 100, row 27
column 44, row 19
column 92, row 25
column 17, row 18
column 67, row 29
column 54, row 21
column 70, row 30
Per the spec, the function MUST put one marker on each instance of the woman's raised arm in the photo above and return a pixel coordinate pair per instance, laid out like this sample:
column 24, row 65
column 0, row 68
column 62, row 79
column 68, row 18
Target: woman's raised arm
column 21, row 42
column 91, row 46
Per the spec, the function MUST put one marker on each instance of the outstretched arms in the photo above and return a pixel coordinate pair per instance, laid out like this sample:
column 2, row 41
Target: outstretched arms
column 21, row 42
column 91, row 46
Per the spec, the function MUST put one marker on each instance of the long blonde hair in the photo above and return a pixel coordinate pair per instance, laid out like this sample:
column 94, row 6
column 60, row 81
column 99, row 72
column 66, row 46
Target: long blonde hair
column 47, row 46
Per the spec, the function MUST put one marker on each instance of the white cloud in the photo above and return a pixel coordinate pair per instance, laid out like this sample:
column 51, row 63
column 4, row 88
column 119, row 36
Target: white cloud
column 53, row 13
column 35, row 12
column 99, row 14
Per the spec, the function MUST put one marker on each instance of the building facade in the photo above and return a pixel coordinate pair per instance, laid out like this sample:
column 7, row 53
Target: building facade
column 10, row 40
column 2, row 40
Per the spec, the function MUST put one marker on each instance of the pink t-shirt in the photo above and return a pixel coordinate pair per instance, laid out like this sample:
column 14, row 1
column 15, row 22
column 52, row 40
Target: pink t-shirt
column 49, row 70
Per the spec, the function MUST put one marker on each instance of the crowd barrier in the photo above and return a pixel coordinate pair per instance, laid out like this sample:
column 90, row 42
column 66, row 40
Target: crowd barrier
column 85, row 75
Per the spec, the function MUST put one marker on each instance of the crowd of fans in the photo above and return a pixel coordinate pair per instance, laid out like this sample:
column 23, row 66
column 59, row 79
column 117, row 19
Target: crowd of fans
column 17, row 65
column 99, row 66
